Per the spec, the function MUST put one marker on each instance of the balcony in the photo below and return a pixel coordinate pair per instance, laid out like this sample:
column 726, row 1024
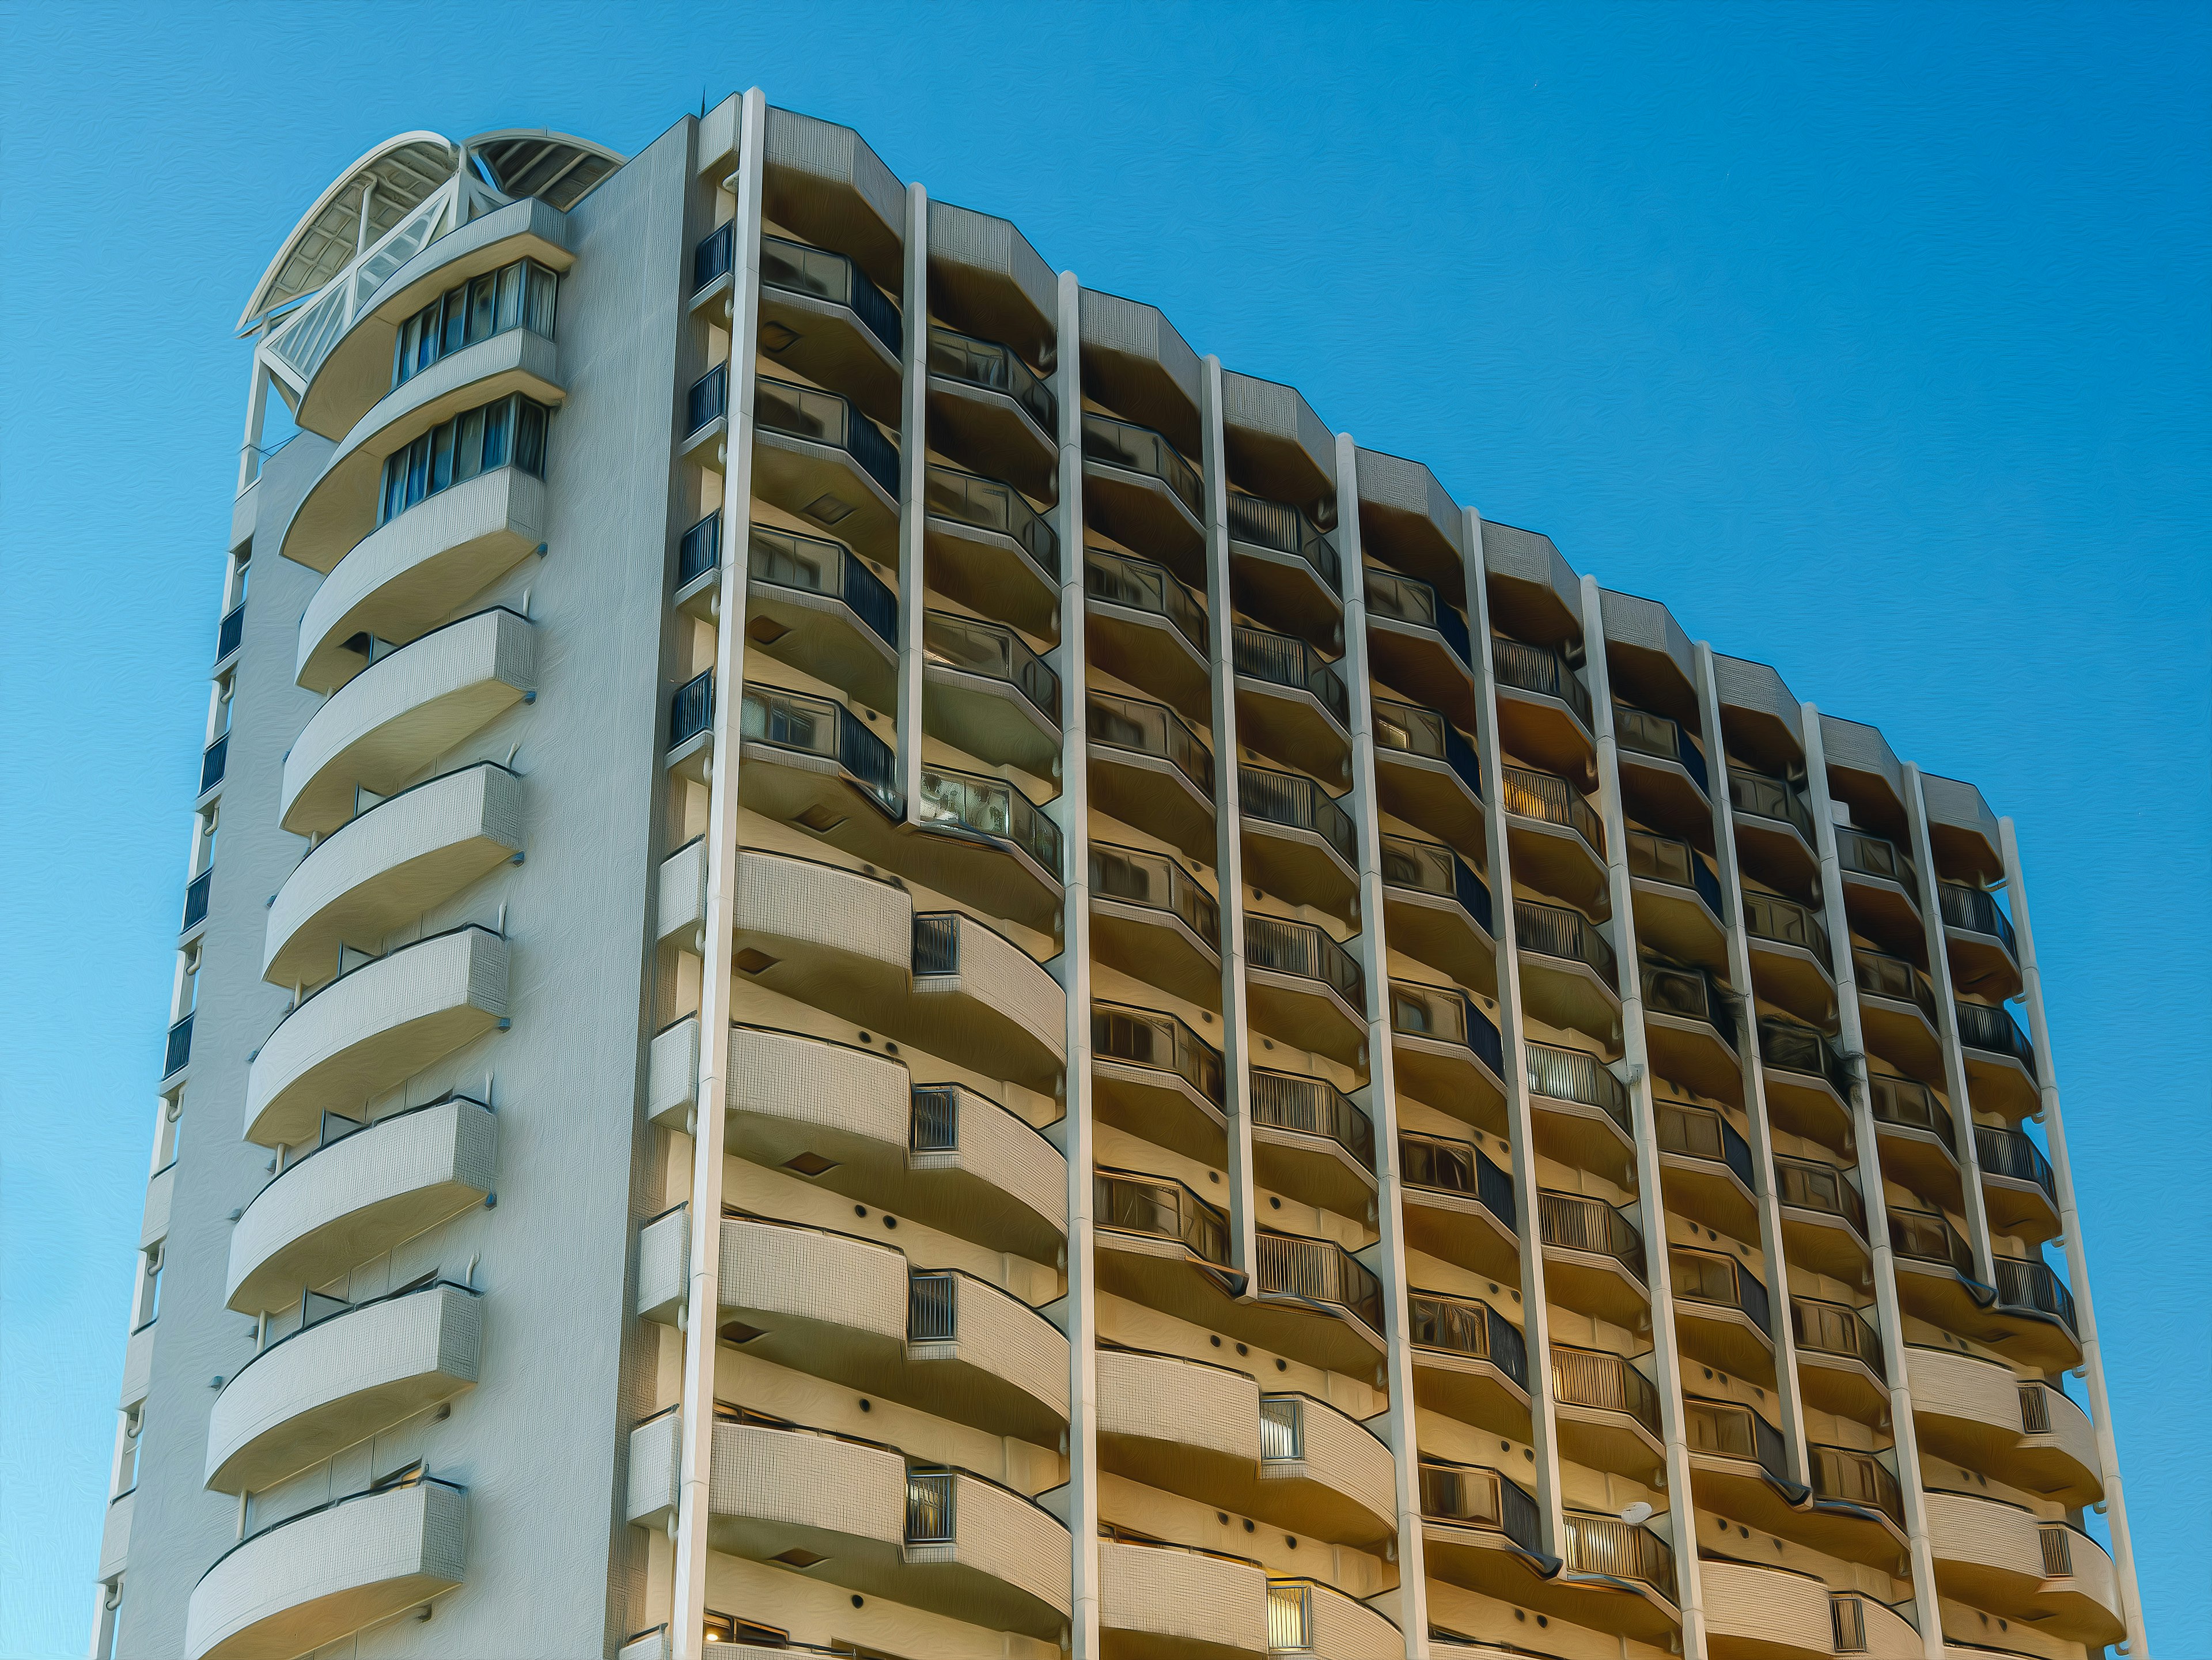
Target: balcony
column 1791, row 956
column 1150, row 918
column 1608, row 1412
column 1898, row 1010
column 1882, row 889
column 2002, row 1558
column 1145, row 627
column 990, row 550
column 1303, row 989
column 1824, row 1219
column 1285, row 570
column 1438, row 911
column 1291, row 705
column 1984, row 955
column 1808, row 1083
column 1859, row 1508
column 383, row 869
column 355, row 1195
column 1447, row 1053
column 815, row 605
column 988, row 694
column 1722, row 1316
column 1418, row 644
column 1458, row 1204
column 1319, row 1303
column 816, row 455
column 1307, row 1617
column 1581, row 1111
column 1141, row 493
column 1691, row 1029
column 1480, row 1529
column 1706, row 1168
column 1559, row 846
column 2058, row 1455
column 2018, row 1184
column 1593, row 1259
column 820, row 317
column 397, row 716
column 329, row 1571
column 1544, row 708
column 1663, row 771
column 1774, row 833
column 1155, row 1077
column 1678, row 900
column 1918, row 1139
column 1839, row 1359
column 1150, row 769
column 1004, row 855
column 1426, row 772
column 1569, row 973
column 1738, row 1465
column 373, row 1029
column 989, row 407
column 1310, row 1142
column 350, row 1372
column 1633, row 1563
column 1298, row 843
column 1162, row 1602
column 1470, row 1361
column 1973, row 1412
column 1756, row 1612
column 1935, row 1271
column 2036, row 1313
column 2001, row 1071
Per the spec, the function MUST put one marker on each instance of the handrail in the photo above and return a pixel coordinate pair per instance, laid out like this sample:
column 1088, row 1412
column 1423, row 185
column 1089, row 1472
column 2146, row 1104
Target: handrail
column 1710, row 1276
column 447, row 1099
column 809, row 725
column 1468, row 1326
column 1641, row 731
column 1132, row 448
column 1691, row 993
column 1409, row 600
column 967, row 498
column 994, row 651
column 1312, row 1106
column 1705, row 1133
column 978, row 804
column 1448, row 1015
column 1280, row 659
column 1561, row 931
column 1575, row 1221
column 2035, row 1286
column 826, row 417
column 1441, row 1163
column 1880, row 975
column 1120, row 579
column 1808, row 1184
column 2011, row 1153
column 1733, row 1430
column 414, row 1287
column 1279, row 946
column 1411, row 729
column 708, row 400
column 691, row 708
column 414, row 1477
column 1989, row 1027
column 1864, row 854
column 345, row 975
column 1477, row 1496
column 1606, row 1382
column 1414, row 866
column 996, row 367
column 1138, row 877
column 1299, row 1269
column 1130, row 1202
column 1821, row 1327
column 1559, row 1074
column 712, row 255
column 1608, row 1547
column 1977, row 911
column 1664, row 859
column 1296, row 801
column 1785, row 922
column 1758, row 796
column 797, row 268
column 1787, row 1046
column 1282, row 527
column 1144, row 727
column 1159, row 1041
column 814, row 564
column 1551, row 799
column 1533, row 668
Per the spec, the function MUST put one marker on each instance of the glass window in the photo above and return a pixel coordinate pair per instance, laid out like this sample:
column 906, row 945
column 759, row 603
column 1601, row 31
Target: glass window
column 530, row 439
column 510, row 296
column 498, row 427
column 480, row 308
column 410, row 335
column 468, row 447
column 441, row 457
column 426, row 351
column 418, row 469
column 457, row 315
column 543, row 286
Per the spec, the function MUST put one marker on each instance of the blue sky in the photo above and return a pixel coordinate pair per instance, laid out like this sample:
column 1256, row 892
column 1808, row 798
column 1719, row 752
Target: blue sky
column 1872, row 339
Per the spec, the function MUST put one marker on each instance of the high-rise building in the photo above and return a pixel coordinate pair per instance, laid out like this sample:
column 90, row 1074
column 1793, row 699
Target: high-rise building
column 895, row 969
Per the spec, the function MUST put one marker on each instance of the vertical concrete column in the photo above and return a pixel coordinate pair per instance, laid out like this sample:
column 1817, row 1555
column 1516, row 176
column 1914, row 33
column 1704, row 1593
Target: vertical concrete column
column 703, row 1294
column 1650, row 1197
column 256, row 410
column 1229, row 833
column 1382, row 1084
column 1072, row 811
column 2077, row 1261
column 1520, row 1116
column 913, row 469
column 1789, row 1392
column 1902, row 1427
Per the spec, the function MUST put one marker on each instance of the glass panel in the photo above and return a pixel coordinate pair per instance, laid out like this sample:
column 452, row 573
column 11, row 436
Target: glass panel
column 498, row 427
column 510, row 297
column 468, row 447
column 544, row 288
column 530, row 439
column 441, row 457
column 456, row 310
column 481, row 295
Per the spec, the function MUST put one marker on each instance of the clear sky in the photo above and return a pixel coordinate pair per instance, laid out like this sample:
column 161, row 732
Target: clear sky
column 1874, row 340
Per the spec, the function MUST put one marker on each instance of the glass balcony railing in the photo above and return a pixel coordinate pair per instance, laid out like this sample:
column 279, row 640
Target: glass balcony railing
column 1574, row 1221
column 701, row 550
column 1808, row 1184
column 1158, row 1042
column 1139, row 449
column 1533, row 668
column 1847, row 1476
column 1920, row 1236
column 212, row 762
column 1155, row 882
column 1564, row 1074
column 1607, row 1547
column 983, row 806
column 1786, row 1046
column 691, row 708
column 1679, row 865
column 2034, row 1284
column 1470, row 1495
column 1556, row 931
column 1999, row 1152
column 230, row 633
column 1608, row 1383
column 1447, row 1016
column 819, row 726
column 1837, row 1329
column 1786, row 923
column 1282, row 527
column 823, row 417
column 1912, row 1105
column 195, row 899
column 998, row 368
column 1990, row 1028
column 1642, row 733
column 712, row 255
column 1312, row 1106
column 1407, row 599
column 1414, row 865
column 1468, row 1326
column 1866, row 854
column 1116, row 722
column 1438, row 1164
column 708, row 399
column 967, row 498
column 813, row 564
column 1703, row 1132
column 1292, row 799
column 1708, row 1277
column 1411, row 730
column 1880, row 975
column 1300, row 949
column 1281, row 660
column 993, row 651
column 1551, row 799
column 1974, row 910
column 1318, row 1271
column 1140, row 585
column 1762, row 797
column 180, row 1049
column 1133, row 1203
column 1689, row 993
column 1728, row 1429
column 797, row 268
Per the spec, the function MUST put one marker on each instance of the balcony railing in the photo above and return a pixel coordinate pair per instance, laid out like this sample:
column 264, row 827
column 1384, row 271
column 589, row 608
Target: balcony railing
column 691, row 708
column 230, row 631
column 1565, row 1074
column 1608, row 1383
column 1705, row 1276
column 1279, row 526
column 1920, row 1236
column 1702, row 1133
column 1468, row 1326
column 1731, row 1430
column 987, row 806
column 1912, row 1105
column 1976, row 911
column 709, row 398
column 1846, row 1475
column 932, row 1308
column 1319, row 1271
column 701, row 550
column 1283, row 946
column 1297, row 801
column 712, row 255
column 1557, row 931
column 1786, row 923
column 1551, row 799
column 1574, row 1221
column 1281, row 660
column 1664, row 859
column 999, row 368
column 1990, row 1028
column 1407, row 599
column 1139, row 449
column 2033, row 1285
column 1438, row 1164
column 1881, row 975
column 967, row 498
column 797, row 268
column 1472, row 1496
column 1762, row 797
column 1867, row 854
column 1162, row 1208
column 1788, row 1047
column 1692, row 993
column 823, row 417
column 1159, row 1042
column 1312, row 1106
column 2000, row 1152
column 1825, row 1327
column 1412, row 730
column 1808, row 1184
column 1607, row 1547
column 181, row 1047
column 1116, row 722
column 1532, row 668
column 994, row 652
column 212, row 762
column 812, row 564
column 1140, row 585
column 1448, row 1016
column 195, row 899
column 1418, row 866
column 1643, row 733
column 1157, row 882
column 819, row 726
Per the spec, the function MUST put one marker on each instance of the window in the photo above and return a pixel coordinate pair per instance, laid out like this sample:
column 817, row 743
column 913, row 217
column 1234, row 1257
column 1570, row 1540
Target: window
column 519, row 295
column 509, row 433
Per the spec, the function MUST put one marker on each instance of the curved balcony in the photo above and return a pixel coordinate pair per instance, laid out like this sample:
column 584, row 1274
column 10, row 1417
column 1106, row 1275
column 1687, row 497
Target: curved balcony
column 1808, row 1083
column 315, row 1577
column 1162, row 1602
column 1568, row 972
column 1543, row 708
column 1966, row 1409
column 1151, row 919
column 1298, row 843
column 1291, row 705
column 2001, row 1071
column 990, row 550
column 1882, row 889
column 989, row 406
column 344, row 1378
column 1140, row 492
column 816, row 455
column 396, row 717
column 1447, row 1053
column 982, row 1001
column 1979, row 937
column 1690, row 1028
column 840, row 939
column 1470, row 1361
column 990, row 695
column 2058, row 1456
column 2018, row 1184
column 1897, row 1011
column 1309, row 1141
column 1839, row 1359
column 1790, row 956
column 1722, row 1316
column 1662, row 770
column 1607, row 1413
column 1418, row 644
column 1286, row 568
column 2037, row 1322
column 1155, row 1077
column 1426, row 772
column 1480, row 1529
column 2000, row 1558
column 1305, row 1616
column 1458, row 1204
column 1438, row 911
column 373, row 1029
column 388, row 865
column 1754, row 1612
column 1149, row 767
column 1824, row 1219
column 353, row 1198
column 1557, row 843
column 1593, row 1259
column 816, row 605
column 1706, row 1166
column 940, row 1154
column 1774, row 833
column 1303, row 989
column 1677, row 898
column 1581, row 1111
column 1144, row 627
